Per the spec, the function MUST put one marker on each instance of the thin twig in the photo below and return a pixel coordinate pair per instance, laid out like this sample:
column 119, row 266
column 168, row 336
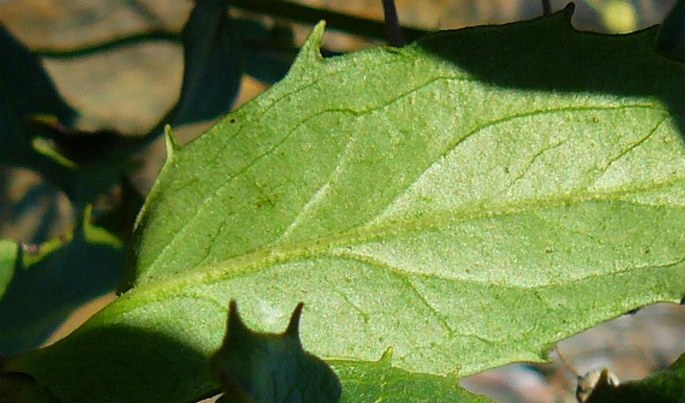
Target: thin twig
column 546, row 7
column 310, row 15
column 393, row 30
column 292, row 11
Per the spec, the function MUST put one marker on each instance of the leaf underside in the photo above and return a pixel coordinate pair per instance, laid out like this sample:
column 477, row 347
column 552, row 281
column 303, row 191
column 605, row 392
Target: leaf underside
column 467, row 200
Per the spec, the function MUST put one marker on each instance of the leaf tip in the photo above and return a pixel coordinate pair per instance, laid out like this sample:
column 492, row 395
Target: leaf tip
column 386, row 358
column 171, row 144
column 564, row 16
column 311, row 50
column 568, row 11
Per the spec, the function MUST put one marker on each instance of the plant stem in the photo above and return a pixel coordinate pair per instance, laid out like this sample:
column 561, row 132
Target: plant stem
column 392, row 24
column 546, row 8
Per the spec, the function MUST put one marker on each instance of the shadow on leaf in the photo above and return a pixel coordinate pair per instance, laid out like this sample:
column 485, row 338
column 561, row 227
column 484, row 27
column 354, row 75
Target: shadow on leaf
column 110, row 362
column 542, row 55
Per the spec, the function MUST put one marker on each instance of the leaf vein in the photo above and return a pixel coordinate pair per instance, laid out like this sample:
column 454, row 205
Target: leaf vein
column 479, row 129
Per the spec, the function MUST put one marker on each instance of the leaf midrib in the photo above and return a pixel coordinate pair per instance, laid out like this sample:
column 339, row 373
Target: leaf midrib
column 276, row 254
column 449, row 148
column 256, row 260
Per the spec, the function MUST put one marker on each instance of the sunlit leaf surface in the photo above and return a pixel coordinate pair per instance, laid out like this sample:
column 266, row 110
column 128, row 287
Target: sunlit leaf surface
column 467, row 200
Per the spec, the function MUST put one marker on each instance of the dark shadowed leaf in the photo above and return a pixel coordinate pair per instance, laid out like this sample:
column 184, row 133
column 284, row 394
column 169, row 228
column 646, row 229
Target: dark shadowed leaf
column 269, row 367
column 664, row 386
column 28, row 97
column 52, row 280
column 671, row 39
column 21, row 388
column 25, row 90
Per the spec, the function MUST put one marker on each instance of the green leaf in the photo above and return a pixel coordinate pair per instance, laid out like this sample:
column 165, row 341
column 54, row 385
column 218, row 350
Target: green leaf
column 21, row 388
column 9, row 254
column 268, row 367
column 664, row 386
column 468, row 201
column 50, row 282
column 378, row 381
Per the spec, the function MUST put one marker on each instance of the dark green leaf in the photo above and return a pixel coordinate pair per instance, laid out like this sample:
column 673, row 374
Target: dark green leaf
column 151, row 367
column 25, row 90
column 120, row 220
column 21, row 388
column 28, row 96
column 664, row 387
column 268, row 367
column 671, row 39
column 54, row 279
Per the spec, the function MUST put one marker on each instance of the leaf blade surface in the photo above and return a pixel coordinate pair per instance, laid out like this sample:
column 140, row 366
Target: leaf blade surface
column 468, row 215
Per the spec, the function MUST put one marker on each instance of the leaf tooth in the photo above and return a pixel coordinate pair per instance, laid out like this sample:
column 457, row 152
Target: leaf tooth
column 568, row 11
column 170, row 142
column 310, row 53
column 386, row 358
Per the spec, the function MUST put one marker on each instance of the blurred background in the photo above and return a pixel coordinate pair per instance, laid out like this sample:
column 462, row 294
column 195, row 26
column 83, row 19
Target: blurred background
column 127, row 89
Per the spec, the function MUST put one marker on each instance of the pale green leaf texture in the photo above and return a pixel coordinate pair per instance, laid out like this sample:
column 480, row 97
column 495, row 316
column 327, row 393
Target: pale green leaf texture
column 467, row 200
